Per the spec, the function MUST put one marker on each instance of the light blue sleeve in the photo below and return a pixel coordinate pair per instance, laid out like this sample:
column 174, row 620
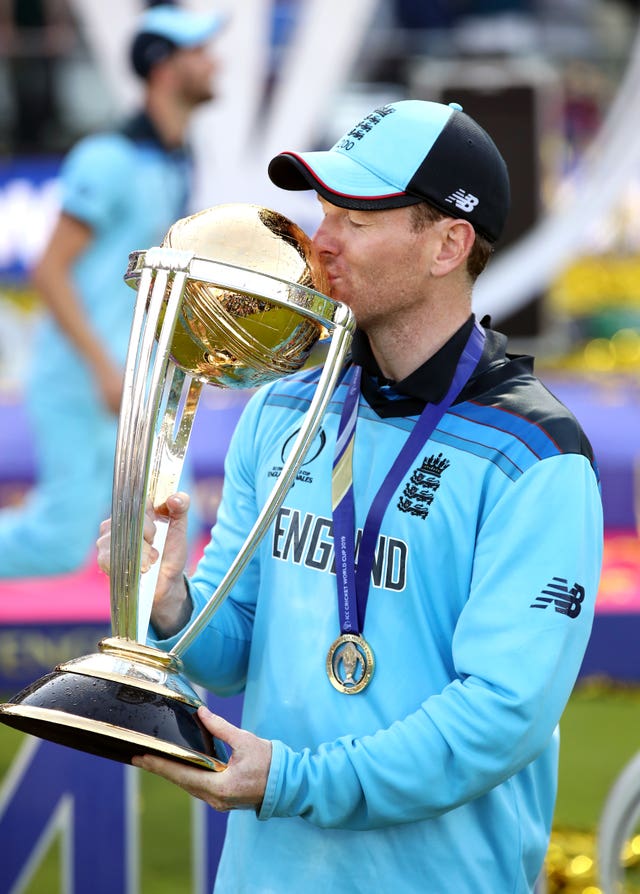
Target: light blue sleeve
column 219, row 656
column 515, row 664
column 96, row 180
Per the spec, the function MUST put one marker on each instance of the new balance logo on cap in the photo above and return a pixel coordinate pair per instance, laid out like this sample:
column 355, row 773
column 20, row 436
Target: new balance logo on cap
column 465, row 201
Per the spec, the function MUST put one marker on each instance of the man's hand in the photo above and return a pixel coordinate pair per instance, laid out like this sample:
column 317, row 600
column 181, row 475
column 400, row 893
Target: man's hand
column 240, row 786
column 172, row 605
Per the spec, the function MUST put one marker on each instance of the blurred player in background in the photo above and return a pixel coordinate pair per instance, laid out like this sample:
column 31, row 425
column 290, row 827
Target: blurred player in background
column 121, row 191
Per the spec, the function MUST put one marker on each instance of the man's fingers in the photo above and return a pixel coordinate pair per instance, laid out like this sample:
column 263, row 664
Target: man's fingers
column 178, row 504
column 149, row 529
column 103, row 546
column 150, row 556
column 202, row 784
column 219, row 727
column 161, row 766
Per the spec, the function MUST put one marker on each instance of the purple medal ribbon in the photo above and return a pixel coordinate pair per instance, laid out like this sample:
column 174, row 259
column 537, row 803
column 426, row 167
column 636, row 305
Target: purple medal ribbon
column 353, row 581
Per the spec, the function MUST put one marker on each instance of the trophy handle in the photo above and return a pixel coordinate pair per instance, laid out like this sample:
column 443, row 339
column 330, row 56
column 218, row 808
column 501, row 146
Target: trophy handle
column 159, row 404
column 338, row 348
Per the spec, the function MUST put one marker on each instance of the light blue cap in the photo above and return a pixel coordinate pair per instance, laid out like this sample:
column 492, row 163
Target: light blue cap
column 404, row 153
column 182, row 27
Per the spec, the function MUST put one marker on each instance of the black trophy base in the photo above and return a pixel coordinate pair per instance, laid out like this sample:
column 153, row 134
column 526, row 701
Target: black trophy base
column 113, row 719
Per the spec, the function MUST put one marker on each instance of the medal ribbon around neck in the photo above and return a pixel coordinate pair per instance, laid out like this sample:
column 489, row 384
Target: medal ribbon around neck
column 350, row 652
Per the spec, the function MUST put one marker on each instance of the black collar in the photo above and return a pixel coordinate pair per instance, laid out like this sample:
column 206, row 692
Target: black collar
column 141, row 129
column 427, row 384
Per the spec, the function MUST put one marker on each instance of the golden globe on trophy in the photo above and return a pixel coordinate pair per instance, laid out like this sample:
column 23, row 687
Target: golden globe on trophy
column 233, row 298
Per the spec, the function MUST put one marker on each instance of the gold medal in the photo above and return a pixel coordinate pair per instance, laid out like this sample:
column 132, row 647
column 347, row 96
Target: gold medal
column 350, row 663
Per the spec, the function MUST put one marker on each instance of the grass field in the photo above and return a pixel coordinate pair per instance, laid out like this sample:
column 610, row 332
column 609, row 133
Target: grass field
column 600, row 733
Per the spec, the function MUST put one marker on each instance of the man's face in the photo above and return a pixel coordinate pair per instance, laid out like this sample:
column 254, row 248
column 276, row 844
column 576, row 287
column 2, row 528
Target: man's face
column 376, row 262
column 194, row 67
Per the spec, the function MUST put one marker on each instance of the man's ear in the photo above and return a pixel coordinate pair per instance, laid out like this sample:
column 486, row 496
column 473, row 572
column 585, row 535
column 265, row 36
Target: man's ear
column 457, row 241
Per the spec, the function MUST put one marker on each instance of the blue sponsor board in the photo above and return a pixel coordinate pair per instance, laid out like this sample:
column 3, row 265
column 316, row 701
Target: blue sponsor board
column 29, row 651
column 91, row 803
column 29, row 204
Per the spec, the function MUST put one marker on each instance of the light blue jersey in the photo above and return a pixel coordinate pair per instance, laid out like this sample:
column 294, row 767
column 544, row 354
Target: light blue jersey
column 440, row 776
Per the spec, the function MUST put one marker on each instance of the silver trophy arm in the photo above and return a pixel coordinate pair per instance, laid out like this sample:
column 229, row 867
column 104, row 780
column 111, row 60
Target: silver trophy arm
column 149, row 451
column 338, row 348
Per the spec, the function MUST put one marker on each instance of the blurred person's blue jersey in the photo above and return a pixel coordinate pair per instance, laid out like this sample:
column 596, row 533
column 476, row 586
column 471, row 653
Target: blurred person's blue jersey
column 129, row 189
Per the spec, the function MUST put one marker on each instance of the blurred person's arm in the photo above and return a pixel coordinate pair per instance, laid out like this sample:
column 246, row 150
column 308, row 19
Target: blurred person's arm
column 53, row 280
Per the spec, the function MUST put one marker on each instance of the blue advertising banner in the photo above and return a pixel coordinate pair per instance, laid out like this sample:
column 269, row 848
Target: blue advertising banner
column 29, row 202
column 93, row 804
column 90, row 801
column 29, row 651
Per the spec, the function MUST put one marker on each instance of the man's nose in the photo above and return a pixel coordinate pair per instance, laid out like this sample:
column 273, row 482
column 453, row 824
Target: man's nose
column 324, row 238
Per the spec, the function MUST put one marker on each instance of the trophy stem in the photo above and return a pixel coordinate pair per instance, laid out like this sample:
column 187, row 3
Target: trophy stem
column 123, row 447
column 175, row 422
column 338, row 348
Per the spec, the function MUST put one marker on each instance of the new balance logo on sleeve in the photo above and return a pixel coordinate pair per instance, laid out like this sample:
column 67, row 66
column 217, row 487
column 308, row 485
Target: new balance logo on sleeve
column 566, row 601
column 465, row 201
